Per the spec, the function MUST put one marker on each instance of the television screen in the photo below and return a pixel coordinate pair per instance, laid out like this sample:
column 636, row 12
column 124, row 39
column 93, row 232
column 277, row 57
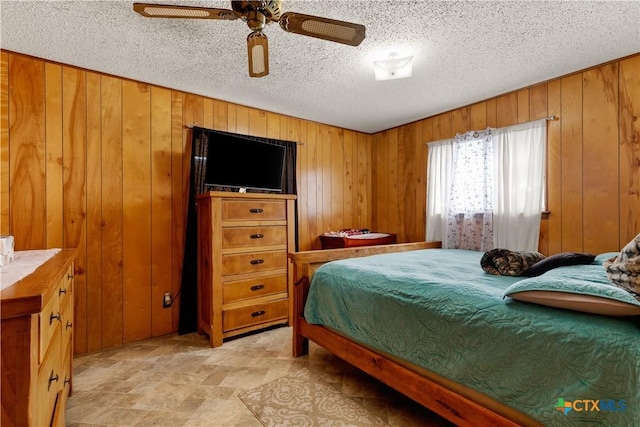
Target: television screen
column 237, row 162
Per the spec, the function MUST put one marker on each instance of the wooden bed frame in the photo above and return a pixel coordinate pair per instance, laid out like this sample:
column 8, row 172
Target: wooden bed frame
column 458, row 404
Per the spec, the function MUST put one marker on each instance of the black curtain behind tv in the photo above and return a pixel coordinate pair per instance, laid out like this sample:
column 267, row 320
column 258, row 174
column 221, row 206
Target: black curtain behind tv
column 200, row 138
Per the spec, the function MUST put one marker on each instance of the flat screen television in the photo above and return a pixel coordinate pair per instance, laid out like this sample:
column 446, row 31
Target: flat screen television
column 242, row 163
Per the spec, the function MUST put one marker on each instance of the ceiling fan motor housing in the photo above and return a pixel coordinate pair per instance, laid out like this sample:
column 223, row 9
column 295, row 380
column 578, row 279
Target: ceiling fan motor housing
column 271, row 9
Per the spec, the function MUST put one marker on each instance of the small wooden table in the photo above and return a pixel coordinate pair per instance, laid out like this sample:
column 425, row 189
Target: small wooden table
column 371, row 239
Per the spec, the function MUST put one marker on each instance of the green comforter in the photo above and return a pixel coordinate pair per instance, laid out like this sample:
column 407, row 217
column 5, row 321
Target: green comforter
column 436, row 308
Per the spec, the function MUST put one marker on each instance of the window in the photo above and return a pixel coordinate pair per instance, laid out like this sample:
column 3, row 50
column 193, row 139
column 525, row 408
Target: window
column 485, row 189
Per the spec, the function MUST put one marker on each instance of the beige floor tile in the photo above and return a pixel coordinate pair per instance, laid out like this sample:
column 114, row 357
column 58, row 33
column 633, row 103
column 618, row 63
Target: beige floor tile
column 179, row 380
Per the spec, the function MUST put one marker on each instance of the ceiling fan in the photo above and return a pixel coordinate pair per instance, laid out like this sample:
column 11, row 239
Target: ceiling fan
column 257, row 14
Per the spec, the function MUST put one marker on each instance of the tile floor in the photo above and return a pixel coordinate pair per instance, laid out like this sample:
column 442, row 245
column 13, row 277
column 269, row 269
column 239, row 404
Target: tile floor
column 180, row 381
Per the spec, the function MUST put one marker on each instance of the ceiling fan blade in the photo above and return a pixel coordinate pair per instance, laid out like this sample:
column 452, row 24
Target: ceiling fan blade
column 258, row 47
column 170, row 11
column 323, row 28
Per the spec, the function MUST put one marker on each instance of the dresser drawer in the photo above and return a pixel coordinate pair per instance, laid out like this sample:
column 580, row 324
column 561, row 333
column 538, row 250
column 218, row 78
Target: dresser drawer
column 253, row 210
column 49, row 320
column 255, row 314
column 66, row 288
column 252, row 262
column 66, row 323
column 49, row 381
column 251, row 288
column 242, row 237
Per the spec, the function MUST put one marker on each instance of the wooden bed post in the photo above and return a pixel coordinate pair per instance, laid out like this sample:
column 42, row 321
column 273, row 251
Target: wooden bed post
column 300, row 343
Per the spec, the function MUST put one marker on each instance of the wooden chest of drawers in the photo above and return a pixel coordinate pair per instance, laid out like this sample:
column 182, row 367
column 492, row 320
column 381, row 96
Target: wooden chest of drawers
column 37, row 344
column 244, row 276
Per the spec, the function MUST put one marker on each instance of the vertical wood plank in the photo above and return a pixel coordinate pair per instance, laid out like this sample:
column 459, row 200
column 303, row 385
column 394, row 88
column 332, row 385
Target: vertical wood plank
column 220, row 113
column 442, row 127
column 27, row 214
column 601, row 148
column 392, row 208
column 4, row 144
column 347, row 183
column 136, row 225
column 74, row 149
column 382, row 182
column 242, row 120
column 461, row 120
column 232, row 118
column 302, row 180
column 112, row 212
column 273, row 126
column 507, row 109
column 571, row 163
column 207, row 113
column 629, row 149
column 336, row 179
column 408, row 171
column 314, row 184
column 54, row 185
column 478, row 116
column 257, row 123
column 523, row 105
column 161, row 247
column 363, row 180
column 326, row 203
column 94, row 212
column 538, row 101
column 178, row 197
column 492, row 113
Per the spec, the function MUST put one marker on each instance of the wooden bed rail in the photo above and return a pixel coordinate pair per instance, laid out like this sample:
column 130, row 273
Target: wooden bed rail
column 305, row 264
column 448, row 403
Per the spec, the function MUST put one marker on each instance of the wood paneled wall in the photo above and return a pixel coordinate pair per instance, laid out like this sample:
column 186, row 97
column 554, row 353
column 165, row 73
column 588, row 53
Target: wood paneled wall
column 593, row 158
column 101, row 163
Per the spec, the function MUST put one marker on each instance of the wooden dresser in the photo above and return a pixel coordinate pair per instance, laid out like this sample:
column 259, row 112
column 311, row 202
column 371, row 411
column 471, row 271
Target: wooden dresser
column 37, row 344
column 244, row 275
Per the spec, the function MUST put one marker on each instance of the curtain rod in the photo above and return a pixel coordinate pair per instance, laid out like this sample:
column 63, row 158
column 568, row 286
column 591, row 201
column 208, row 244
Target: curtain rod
column 550, row 118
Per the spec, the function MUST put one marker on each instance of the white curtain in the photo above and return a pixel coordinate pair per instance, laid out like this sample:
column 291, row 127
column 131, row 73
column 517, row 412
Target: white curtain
column 440, row 165
column 485, row 189
column 519, row 153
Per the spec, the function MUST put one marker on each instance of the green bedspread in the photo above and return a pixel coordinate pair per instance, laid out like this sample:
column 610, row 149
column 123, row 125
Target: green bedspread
column 436, row 308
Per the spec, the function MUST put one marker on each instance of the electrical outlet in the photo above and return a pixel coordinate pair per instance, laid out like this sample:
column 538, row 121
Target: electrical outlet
column 167, row 300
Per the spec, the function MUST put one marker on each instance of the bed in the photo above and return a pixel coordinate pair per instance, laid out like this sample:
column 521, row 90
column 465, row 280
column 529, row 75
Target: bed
column 463, row 350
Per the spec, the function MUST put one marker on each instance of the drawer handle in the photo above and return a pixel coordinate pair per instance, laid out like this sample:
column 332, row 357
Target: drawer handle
column 67, row 380
column 69, row 276
column 257, row 287
column 62, row 291
column 69, row 325
column 256, row 210
column 258, row 313
column 257, row 236
column 52, row 378
column 54, row 316
column 256, row 261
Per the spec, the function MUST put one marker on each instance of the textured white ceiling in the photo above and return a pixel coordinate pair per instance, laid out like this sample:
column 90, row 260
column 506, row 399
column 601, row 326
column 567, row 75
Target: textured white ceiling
column 464, row 51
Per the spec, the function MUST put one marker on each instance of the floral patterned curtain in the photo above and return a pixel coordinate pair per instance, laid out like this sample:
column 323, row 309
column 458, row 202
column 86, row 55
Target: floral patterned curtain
column 469, row 212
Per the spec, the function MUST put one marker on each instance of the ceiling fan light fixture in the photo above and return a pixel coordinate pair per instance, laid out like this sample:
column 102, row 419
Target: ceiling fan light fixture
column 257, row 45
column 393, row 68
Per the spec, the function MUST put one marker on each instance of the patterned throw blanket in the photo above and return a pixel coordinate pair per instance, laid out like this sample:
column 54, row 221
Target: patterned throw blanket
column 624, row 270
column 504, row 262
